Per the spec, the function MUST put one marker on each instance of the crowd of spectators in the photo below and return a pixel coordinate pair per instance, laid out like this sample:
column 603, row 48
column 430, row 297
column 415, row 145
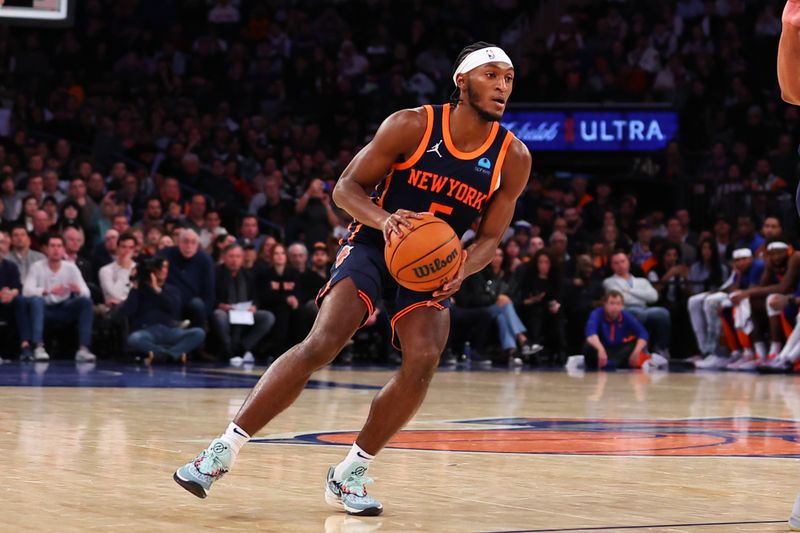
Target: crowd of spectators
column 203, row 139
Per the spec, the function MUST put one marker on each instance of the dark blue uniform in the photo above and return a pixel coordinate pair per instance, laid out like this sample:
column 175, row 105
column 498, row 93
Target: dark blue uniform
column 438, row 178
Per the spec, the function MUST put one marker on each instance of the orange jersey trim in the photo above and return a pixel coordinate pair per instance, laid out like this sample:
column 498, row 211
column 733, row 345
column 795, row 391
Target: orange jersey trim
column 370, row 307
column 403, row 312
column 498, row 166
column 408, row 163
column 448, row 141
column 385, row 187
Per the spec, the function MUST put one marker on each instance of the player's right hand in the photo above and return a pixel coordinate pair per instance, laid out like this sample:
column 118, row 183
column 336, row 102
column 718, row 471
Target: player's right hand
column 602, row 359
column 395, row 221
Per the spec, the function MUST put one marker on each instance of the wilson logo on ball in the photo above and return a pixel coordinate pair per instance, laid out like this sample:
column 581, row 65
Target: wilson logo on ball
column 435, row 265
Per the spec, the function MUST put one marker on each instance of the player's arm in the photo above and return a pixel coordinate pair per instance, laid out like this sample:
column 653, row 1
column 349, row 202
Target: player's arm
column 789, row 53
column 398, row 136
column 495, row 221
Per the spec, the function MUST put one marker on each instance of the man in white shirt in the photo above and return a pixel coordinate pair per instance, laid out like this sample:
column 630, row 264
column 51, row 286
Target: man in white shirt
column 115, row 277
column 638, row 294
column 56, row 292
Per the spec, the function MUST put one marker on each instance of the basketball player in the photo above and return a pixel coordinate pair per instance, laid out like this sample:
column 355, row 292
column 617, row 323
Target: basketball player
column 455, row 161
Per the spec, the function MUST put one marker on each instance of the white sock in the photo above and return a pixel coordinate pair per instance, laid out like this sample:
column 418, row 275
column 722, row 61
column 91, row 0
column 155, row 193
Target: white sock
column 796, row 507
column 236, row 437
column 774, row 348
column 761, row 349
column 356, row 455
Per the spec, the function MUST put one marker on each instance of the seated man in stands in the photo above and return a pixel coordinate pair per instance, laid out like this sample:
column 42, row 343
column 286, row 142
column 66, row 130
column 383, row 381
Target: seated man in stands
column 115, row 278
column 56, row 292
column 21, row 253
column 235, row 284
column 13, row 307
column 191, row 271
column 638, row 293
column 615, row 338
column 153, row 309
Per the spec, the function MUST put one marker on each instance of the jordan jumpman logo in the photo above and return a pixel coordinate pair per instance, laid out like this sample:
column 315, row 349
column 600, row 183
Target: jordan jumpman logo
column 435, row 148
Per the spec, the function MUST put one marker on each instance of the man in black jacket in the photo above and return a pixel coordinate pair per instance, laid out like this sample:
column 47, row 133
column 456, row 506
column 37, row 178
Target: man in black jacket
column 235, row 285
column 13, row 306
column 153, row 309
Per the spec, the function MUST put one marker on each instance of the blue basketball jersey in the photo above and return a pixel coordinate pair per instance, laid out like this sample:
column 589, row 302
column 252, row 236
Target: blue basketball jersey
column 453, row 185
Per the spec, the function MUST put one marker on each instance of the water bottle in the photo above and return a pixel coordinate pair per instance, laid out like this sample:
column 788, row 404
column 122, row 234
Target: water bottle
column 467, row 354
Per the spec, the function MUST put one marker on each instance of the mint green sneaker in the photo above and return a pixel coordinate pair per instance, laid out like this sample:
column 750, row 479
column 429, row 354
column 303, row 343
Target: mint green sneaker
column 212, row 463
column 794, row 519
column 350, row 494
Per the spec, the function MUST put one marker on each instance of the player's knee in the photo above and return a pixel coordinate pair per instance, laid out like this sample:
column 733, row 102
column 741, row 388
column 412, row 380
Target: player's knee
column 421, row 364
column 320, row 349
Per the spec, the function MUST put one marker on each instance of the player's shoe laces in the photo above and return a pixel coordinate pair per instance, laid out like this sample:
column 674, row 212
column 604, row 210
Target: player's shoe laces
column 351, row 493
column 198, row 475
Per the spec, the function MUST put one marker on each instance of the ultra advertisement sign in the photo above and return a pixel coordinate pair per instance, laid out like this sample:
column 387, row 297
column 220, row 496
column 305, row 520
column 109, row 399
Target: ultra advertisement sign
column 615, row 131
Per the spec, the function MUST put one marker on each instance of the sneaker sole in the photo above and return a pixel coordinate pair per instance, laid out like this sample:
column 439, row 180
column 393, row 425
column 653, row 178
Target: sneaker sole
column 334, row 501
column 190, row 486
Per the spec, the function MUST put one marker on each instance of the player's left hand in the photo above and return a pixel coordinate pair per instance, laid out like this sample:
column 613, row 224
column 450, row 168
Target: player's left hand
column 452, row 286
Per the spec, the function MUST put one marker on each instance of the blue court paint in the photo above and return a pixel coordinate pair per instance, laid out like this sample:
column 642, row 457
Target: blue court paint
column 124, row 375
column 654, row 526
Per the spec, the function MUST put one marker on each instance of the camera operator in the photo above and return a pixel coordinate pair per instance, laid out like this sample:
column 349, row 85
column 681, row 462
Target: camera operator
column 153, row 309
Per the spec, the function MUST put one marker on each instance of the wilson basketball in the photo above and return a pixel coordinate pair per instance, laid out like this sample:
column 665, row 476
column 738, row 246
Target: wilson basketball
column 426, row 257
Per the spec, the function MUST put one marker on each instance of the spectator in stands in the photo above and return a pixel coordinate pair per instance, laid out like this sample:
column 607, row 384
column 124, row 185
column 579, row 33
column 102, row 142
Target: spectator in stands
column 5, row 245
column 771, row 230
column 746, row 235
column 115, row 277
column 638, row 293
column 280, row 288
column 196, row 217
column 41, row 229
column 316, row 216
column 77, row 193
column 104, row 252
column 69, row 214
column 73, row 245
column 153, row 214
column 615, row 336
column 153, row 309
column 676, row 235
column 212, row 229
column 236, row 285
column 491, row 288
column 538, row 300
column 30, row 205
column 191, row 271
column 13, row 307
column 707, row 273
column 273, row 206
column 21, row 253
column 248, row 232
column 57, row 293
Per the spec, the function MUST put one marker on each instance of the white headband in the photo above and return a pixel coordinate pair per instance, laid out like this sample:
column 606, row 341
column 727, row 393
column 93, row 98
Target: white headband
column 777, row 245
column 481, row 57
column 741, row 253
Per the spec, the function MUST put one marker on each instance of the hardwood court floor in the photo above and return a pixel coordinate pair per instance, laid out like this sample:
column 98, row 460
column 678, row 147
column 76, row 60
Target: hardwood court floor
column 542, row 451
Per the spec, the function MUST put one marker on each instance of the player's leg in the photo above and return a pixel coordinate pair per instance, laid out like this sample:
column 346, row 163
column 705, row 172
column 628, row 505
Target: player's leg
column 423, row 333
column 340, row 314
column 775, row 308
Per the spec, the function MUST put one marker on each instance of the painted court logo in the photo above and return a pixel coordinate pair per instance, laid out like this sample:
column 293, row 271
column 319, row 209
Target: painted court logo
column 694, row 437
